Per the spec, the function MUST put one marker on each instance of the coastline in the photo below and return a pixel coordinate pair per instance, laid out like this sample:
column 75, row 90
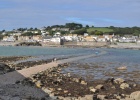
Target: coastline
column 67, row 95
column 134, row 46
column 11, row 82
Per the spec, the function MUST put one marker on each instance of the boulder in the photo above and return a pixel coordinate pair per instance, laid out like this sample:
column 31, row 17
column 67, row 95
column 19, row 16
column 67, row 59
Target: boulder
column 38, row 84
column 124, row 86
column 101, row 97
column 76, row 80
column 122, row 68
column 66, row 91
column 100, row 86
column 59, row 89
column 89, row 97
column 119, row 81
column 135, row 95
column 93, row 89
column 83, row 82
column 4, row 68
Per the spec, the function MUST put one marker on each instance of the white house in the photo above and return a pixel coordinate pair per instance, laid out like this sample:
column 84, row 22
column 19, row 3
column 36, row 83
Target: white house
column 101, row 39
column 57, row 34
column 9, row 38
column 47, row 39
column 68, row 38
column 55, row 39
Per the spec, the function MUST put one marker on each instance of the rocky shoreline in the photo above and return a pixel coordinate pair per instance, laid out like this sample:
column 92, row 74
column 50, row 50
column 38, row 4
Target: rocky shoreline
column 7, row 63
column 67, row 87
column 29, row 44
column 52, row 84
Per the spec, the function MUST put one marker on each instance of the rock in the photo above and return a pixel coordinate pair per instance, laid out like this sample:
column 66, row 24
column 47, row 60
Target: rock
column 59, row 80
column 18, row 68
column 118, row 97
column 119, row 81
column 69, row 94
column 68, row 74
column 83, row 82
column 51, row 89
column 81, row 98
column 76, row 80
column 126, row 99
column 134, row 85
column 135, row 95
column 101, row 97
column 59, row 89
column 109, row 80
column 60, row 98
column 124, row 86
column 99, row 87
column 46, row 90
column 38, row 84
column 89, row 97
column 122, row 68
column 113, row 87
column 93, row 89
column 65, row 91
column 4, row 68
column 67, row 98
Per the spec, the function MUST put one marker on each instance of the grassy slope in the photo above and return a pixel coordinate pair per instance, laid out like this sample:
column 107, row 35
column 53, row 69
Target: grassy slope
column 103, row 29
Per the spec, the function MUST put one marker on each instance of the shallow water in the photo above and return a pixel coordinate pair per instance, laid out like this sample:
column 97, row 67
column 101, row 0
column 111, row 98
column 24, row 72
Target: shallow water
column 100, row 67
column 105, row 66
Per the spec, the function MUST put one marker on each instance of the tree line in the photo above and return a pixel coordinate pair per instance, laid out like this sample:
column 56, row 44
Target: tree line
column 76, row 28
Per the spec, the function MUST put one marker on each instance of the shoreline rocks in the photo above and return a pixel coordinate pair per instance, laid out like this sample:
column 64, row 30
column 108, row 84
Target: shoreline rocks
column 29, row 44
column 69, row 87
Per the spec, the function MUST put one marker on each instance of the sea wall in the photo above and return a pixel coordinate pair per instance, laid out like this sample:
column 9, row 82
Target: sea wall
column 94, row 44
column 126, row 45
column 8, row 43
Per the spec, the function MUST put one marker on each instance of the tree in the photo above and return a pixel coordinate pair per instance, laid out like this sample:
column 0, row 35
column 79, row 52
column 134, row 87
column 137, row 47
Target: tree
column 1, row 37
column 63, row 32
column 48, row 28
column 111, row 27
column 87, row 26
column 51, row 32
column 92, row 33
column 27, row 34
column 80, row 31
column 73, row 26
column 136, row 33
column 98, row 33
column 3, row 30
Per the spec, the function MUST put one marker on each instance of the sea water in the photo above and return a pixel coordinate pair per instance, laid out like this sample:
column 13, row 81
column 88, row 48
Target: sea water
column 107, row 63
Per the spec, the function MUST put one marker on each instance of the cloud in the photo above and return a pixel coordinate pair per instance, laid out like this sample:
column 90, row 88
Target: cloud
column 78, row 20
column 109, row 20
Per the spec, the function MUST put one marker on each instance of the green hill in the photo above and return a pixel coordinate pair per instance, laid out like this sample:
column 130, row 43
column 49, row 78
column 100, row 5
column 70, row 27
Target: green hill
column 102, row 29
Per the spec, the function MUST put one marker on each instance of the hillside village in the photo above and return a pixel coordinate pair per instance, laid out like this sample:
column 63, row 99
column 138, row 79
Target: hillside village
column 71, row 32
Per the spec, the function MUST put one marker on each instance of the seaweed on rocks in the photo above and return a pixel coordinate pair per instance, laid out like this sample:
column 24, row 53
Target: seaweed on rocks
column 4, row 68
column 61, row 85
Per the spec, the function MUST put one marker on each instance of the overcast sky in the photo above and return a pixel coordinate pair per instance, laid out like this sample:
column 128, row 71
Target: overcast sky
column 38, row 13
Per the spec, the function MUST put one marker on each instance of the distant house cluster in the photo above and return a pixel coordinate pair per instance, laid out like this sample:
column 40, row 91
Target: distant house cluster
column 46, row 37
